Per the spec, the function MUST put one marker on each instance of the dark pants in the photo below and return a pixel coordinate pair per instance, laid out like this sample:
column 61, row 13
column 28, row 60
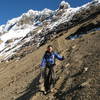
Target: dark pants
column 48, row 76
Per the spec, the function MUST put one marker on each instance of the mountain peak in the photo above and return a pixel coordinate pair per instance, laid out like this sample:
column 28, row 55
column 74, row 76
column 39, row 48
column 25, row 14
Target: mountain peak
column 64, row 5
column 36, row 26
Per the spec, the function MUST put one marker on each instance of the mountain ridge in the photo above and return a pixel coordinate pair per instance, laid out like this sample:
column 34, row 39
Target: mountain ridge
column 45, row 24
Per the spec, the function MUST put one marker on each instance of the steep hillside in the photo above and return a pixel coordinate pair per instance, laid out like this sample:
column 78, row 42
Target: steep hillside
column 73, row 32
column 77, row 76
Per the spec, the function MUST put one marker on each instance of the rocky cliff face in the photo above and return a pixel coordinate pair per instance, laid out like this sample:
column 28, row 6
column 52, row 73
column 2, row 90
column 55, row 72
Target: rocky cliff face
column 35, row 28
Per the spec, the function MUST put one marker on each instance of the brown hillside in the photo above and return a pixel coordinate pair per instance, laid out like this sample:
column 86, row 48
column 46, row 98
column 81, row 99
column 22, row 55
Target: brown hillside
column 78, row 76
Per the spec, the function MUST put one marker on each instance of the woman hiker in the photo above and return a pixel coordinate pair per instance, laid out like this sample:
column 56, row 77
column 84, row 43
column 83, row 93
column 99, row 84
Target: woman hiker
column 47, row 69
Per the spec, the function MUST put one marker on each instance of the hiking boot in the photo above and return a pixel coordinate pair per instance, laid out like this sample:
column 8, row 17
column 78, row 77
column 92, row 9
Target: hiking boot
column 45, row 93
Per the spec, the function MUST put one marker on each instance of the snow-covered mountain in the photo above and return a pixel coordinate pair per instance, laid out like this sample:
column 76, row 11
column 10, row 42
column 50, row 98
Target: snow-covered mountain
column 34, row 28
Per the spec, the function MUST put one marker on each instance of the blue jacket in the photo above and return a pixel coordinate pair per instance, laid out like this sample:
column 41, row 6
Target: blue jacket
column 50, row 58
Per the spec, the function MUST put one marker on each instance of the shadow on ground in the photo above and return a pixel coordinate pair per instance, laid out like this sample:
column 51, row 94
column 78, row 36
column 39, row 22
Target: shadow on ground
column 78, row 73
column 62, row 95
column 31, row 90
